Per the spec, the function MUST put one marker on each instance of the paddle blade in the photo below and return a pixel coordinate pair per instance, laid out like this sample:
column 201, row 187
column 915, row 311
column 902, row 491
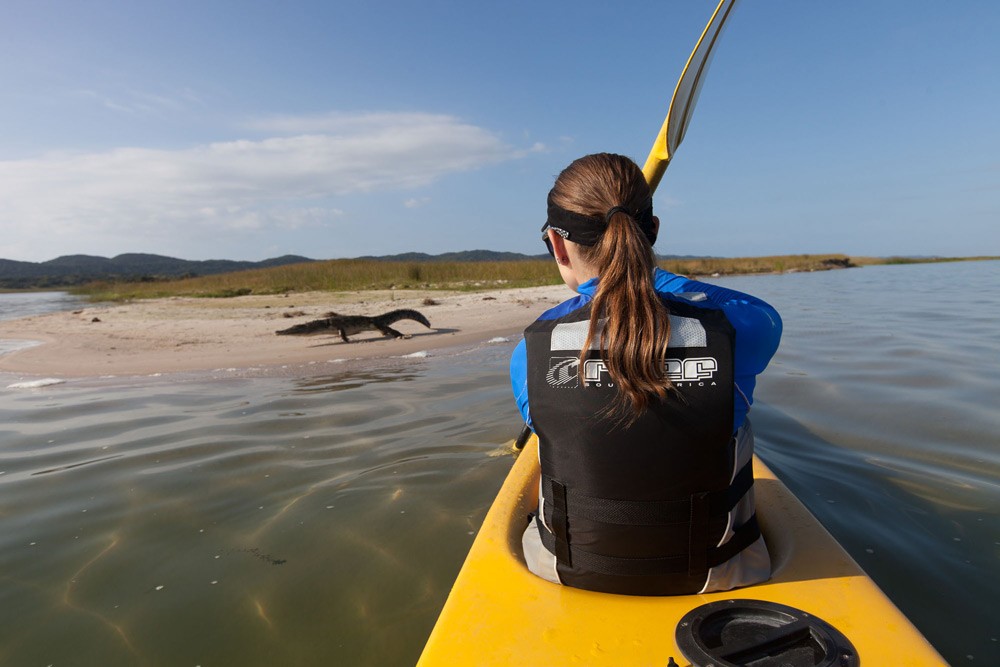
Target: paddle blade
column 685, row 96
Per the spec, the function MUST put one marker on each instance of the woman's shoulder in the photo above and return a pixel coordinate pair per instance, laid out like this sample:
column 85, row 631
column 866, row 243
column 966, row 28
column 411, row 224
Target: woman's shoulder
column 566, row 307
column 669, row 283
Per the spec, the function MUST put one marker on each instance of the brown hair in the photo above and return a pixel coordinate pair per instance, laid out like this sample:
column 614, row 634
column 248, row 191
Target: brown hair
column 636, row 331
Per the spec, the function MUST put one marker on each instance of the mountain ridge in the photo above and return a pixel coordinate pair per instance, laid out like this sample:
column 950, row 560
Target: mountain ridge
column 70, row 270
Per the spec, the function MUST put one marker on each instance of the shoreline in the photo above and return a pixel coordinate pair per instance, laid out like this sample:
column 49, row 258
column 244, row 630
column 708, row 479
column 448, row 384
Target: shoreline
column 184, row 334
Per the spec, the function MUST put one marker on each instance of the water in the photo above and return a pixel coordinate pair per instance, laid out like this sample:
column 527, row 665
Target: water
column 881, row 414
column 244, row 521
column 192, row 520
column 14, row 305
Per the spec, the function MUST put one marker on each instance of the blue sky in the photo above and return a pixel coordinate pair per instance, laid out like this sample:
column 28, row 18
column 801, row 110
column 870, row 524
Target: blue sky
column 247, row 130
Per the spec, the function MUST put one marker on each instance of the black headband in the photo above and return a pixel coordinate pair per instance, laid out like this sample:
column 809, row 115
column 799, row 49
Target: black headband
column 587, row 231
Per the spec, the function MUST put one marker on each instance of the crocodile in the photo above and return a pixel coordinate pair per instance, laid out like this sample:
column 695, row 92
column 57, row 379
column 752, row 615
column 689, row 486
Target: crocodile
column 347, row 325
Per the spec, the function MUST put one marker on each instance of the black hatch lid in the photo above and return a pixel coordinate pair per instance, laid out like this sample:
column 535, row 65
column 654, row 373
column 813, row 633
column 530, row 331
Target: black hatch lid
column 755, row 633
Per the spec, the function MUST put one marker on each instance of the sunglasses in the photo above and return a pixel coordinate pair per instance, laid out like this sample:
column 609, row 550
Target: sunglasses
column 545, row 237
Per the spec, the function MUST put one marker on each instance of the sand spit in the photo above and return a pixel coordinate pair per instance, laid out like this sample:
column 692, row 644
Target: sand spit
column 187, row 334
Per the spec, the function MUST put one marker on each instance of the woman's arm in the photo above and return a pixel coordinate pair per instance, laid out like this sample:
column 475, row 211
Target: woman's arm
column 519, row 380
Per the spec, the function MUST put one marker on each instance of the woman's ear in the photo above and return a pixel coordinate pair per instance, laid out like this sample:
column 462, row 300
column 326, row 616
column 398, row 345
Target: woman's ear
column 559, row 248
column 656, row 226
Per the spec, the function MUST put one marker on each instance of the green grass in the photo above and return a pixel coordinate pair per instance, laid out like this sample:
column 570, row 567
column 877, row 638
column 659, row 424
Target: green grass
column 338, row 276
column 346, row 275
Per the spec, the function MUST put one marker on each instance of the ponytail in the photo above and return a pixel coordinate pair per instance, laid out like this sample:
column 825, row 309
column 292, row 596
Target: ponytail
column 633, row 340
column 627, row 317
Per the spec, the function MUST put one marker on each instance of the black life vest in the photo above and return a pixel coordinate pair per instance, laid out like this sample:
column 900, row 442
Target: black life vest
column 637, row 510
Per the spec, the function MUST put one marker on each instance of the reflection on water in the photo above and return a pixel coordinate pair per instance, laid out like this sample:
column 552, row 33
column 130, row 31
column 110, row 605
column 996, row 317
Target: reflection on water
column 321, row 520
column 392, row 371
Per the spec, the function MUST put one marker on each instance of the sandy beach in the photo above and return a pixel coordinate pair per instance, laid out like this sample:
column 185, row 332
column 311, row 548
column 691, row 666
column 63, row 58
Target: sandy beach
column 187, row 334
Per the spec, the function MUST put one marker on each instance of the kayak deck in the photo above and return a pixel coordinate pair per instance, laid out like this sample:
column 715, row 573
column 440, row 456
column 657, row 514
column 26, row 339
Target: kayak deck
column 499, row 613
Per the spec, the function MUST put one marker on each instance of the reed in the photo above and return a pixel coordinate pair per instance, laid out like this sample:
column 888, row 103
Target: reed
column 339, row 276
column 723, row 266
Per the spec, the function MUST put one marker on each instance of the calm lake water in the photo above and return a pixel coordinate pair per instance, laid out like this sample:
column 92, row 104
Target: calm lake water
column 24, row 304
column 320, row 518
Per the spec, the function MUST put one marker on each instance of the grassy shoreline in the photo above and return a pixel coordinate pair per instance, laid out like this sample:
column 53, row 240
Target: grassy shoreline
column 346, row 275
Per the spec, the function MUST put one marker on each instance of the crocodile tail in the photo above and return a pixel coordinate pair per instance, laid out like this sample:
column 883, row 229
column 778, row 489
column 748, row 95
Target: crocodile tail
column 405, row 314
column 306, row 328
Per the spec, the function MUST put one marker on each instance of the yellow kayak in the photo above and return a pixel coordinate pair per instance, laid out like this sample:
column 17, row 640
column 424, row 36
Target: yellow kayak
column 819, row 606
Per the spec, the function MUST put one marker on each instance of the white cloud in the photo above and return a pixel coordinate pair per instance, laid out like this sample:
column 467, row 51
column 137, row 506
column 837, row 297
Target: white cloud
column 98, row 202
column 137, row 102
column 416, row 202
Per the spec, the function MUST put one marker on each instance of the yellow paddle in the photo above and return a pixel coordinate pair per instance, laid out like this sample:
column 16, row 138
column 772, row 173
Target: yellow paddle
column 685, row 97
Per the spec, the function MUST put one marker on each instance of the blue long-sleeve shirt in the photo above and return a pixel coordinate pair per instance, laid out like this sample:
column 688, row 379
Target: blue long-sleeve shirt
column 757, row 325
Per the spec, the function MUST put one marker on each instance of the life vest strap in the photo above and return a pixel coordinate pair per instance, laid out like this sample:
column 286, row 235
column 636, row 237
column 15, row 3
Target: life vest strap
column 743, row 537
column 655, row 512
column 560, row 521
column 698, row 536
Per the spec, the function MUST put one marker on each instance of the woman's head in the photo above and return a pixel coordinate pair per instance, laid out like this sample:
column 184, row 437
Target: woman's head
column 596, row 184
column 601, row 205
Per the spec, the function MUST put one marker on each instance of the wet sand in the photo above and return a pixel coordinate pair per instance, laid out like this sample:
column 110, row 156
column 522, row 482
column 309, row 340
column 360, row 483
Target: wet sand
column 186, row 334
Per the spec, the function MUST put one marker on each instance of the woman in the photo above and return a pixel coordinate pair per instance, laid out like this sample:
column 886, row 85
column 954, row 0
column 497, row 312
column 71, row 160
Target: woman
column 638, row 389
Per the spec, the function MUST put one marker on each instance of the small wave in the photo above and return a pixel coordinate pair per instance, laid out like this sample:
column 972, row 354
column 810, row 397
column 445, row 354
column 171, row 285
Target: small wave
column 499, row 339
column 36, row 384
column 7, row 346
column 416, row 355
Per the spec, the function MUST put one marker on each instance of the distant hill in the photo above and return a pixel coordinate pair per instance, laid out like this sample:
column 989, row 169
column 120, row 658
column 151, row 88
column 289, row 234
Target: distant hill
column 70, row 270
